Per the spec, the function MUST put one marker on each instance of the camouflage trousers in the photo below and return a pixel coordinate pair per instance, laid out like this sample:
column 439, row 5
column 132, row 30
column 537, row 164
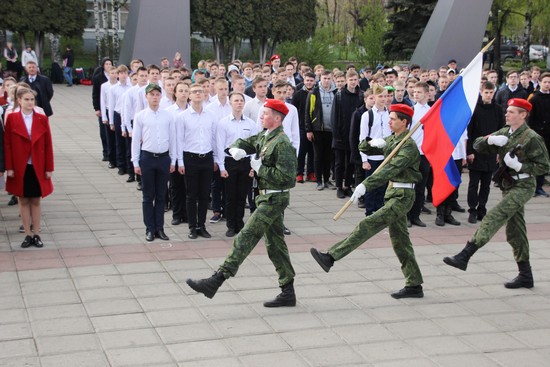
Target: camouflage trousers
column 510, row 211
column 267, row 220
column 394, row 216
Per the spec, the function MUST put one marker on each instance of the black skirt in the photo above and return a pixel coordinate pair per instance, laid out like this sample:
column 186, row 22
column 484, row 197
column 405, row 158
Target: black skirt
column 31, row 186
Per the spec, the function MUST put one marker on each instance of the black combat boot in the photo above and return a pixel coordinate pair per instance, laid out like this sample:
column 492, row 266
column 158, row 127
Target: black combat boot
column 449, row 216
column 208, row 286
column 323, row 258
column 287, row 297
column 472, row 218
column 440, row 215
column 524, row 278
column 461, row 259
column 409, row 292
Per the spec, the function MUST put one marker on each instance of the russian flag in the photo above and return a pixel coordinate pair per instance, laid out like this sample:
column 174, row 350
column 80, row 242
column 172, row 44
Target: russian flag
column 445, row 123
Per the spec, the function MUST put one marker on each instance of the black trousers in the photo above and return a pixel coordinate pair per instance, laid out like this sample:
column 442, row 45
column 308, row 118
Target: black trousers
column 236, row 189
column 103, row 132
column 306, row 151
column 343, row 168
column 120, row 142
column 420, row 187
column 155, row 172
column 178, row 194
column 199, row 169
column 322, row 153
column 478, row 191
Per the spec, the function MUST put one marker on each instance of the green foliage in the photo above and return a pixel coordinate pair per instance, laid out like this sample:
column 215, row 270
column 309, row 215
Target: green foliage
column 313, row 51
column 370, row 38
column 408, row 20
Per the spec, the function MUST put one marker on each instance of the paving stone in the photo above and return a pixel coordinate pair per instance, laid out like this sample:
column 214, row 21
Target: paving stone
column 186, row 333
column 305, row 339
column 112, row 307
column 67, row 344
column 331, row 356
column 254, row 344
column 196, row 350
column 81, row 359
column 65, row 326
column 120, row 322
column 128, row 338
column 17, row 348
column 242, row 327
column 56, row 312
column 174, row 317
column 15, row 331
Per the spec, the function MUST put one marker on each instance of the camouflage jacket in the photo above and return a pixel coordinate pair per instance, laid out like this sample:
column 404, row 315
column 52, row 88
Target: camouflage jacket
column 279, row 162
column 533, row 154
column 403, row 167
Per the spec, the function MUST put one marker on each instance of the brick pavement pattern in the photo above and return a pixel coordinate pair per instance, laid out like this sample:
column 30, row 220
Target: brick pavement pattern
column 99, row 295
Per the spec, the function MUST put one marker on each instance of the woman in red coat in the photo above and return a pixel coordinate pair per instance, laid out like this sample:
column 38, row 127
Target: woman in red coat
column 29, row 162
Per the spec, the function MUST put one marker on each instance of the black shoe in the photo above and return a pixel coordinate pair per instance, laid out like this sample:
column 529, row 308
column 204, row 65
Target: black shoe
column 111, row 165
column 286, row 231
column 425, row 210
column 131, row 179
column 208, row 286
column 481, row 215
column 348, row 192
column 122, row 172
column 160, row 234
column 105, row 159
column 524, row 278
column 457, row 208
column 37, row 241
column 149, row 236
column 472, row 218
column 287, row 297
column 139, row 186
column 230, row 233
column 192, row 233
column 451, row 220
column 340, row 194
column 323, row 259
column 418, row 222
column 203, row 232
column 460, row 260
column 27, row 242
column 177, row 221
column 13, row 201
column 409, row 292
column 440, row 220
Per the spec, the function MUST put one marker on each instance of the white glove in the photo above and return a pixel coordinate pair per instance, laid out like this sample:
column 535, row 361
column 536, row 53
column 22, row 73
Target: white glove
column 360, row 190
column 377, row 143
column 513, row 163
column 237, row 153
column 256, row 164
column 498, row 140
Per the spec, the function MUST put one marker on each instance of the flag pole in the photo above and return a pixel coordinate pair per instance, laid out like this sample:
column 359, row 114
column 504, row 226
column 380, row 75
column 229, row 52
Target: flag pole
column 396, row 149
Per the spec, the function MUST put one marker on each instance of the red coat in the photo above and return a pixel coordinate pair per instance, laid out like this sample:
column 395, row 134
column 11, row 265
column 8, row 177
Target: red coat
column 18, row 147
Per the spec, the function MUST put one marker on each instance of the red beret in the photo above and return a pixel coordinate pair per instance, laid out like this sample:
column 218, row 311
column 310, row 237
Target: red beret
column 403, row 108
column 274, row 57
column 276, row 105
column 521, row 103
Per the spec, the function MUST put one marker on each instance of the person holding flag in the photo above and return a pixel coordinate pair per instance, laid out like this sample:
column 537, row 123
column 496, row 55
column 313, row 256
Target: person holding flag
column 401, row 172
column 523, row 154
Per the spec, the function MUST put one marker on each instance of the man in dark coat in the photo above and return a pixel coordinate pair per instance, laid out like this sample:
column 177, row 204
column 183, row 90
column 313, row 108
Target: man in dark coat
column 100, row 77
column 41, row 85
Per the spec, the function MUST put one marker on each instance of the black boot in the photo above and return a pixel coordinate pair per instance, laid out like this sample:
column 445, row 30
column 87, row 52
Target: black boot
column 440, row 216
column 472, row 218
column 409, row 292
column 208, row 286
column 323, row 258
column 461, row 259
column 287, row 297
column 449, row 216
column 524, row 278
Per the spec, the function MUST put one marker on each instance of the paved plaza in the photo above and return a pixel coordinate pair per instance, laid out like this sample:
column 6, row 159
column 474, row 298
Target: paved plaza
column 99, row 295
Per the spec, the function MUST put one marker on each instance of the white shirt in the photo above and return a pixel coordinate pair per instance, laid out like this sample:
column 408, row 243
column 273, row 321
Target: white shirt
column 418, row 136
column 379, row 130
column 291, row 125
column 460, row 150
column 196, row 133
column 128, row 105
column 252, row 108
column 165, row 102
column 115, row 99
column 155, row 132
column 228, row 131
column 28, row 125
column 104, row 99
column 219, row 110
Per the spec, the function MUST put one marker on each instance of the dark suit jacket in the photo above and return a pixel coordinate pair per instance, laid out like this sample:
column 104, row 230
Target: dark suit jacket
column 44, row 89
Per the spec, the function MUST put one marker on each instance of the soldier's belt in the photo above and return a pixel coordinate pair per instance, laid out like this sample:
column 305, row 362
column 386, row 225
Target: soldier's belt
column 401, row 185
column 521, row 176
column 266, row 191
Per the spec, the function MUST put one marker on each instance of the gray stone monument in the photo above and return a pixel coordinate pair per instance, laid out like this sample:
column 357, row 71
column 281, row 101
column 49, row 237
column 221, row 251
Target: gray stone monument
column 157, row 29
column 455, row 31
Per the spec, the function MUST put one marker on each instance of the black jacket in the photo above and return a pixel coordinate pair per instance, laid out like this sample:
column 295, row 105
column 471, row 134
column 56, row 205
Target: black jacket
column 44, row 92
column 505, row 94
column 98, row 79
column 355, row 131
column 314, row 115
column 345, row 103
column 486, row 119
column 539, row 118
column 299, row 100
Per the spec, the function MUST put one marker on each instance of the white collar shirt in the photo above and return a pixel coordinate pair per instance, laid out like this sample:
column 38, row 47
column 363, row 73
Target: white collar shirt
column 196, row 133
column 154, row 132
column 380, row 129
column 228, row 131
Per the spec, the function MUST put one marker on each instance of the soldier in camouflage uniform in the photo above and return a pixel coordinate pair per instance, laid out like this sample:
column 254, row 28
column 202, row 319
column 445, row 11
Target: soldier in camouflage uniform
column 402, row 173
column 275, row 166
column 531, row 160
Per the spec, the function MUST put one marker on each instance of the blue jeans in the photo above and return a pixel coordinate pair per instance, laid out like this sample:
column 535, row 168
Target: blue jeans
column 68, row 74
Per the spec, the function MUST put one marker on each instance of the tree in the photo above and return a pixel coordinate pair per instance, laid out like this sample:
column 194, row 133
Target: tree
column 370, row 35
column 408, row 19
column 59, row 17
